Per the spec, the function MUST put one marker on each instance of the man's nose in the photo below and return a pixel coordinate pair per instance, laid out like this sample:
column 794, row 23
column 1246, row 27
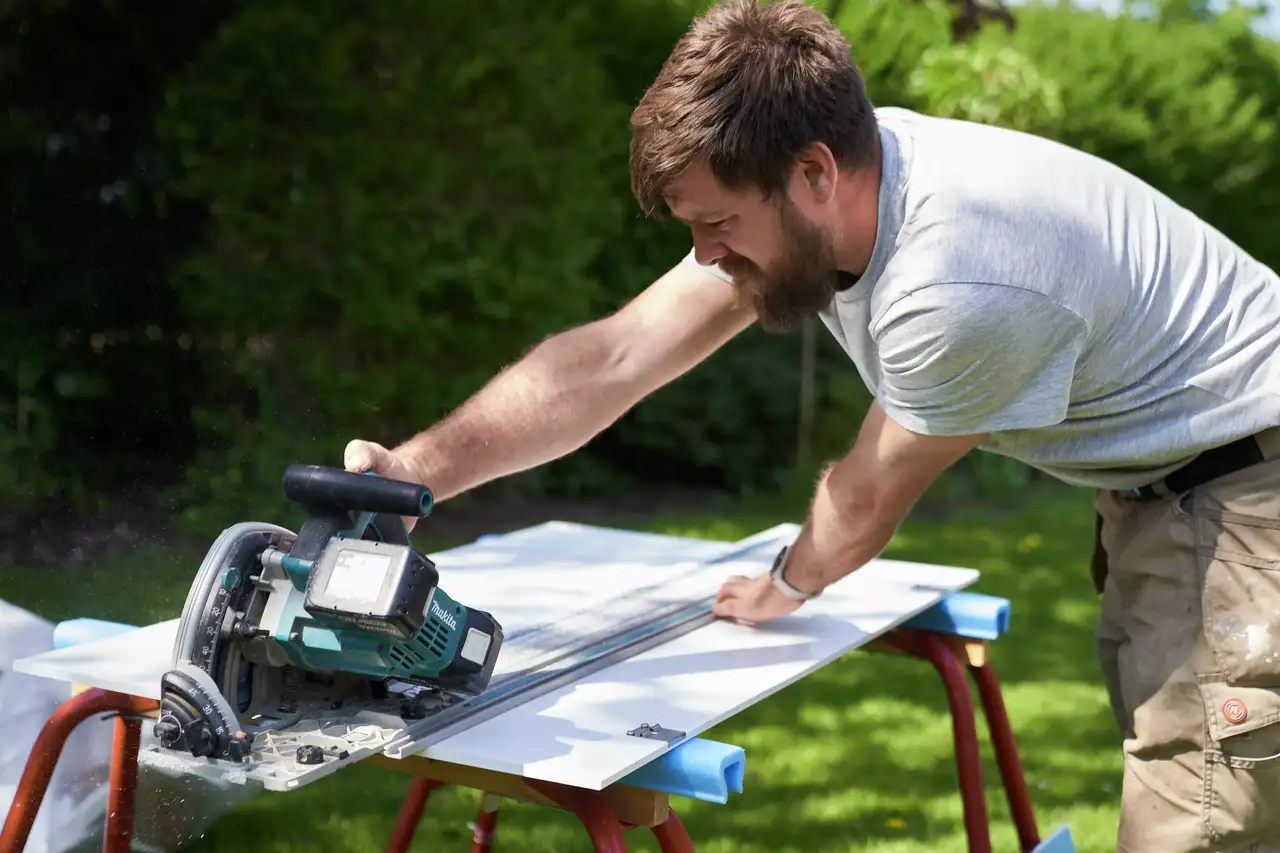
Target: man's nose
column 708, row 251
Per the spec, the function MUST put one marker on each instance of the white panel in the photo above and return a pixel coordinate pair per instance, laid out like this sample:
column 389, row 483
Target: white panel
column 131, row 663
column 577, row 734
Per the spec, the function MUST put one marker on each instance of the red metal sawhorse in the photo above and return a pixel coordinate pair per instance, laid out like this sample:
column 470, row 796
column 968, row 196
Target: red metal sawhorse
column 604, row 814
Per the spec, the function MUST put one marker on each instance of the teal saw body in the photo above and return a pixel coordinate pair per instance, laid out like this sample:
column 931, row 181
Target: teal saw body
column 276, row 622
column 438, row 646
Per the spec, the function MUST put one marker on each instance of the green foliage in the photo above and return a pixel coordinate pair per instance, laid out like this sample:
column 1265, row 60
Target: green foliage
column 403, row 203
column 1191, row 105
column 94, row 388
column 353, row 217
column 988, row 83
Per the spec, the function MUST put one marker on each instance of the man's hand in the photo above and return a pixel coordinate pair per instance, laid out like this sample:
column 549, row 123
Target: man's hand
column 368, row 456
column 751, row 600
column 858, row 505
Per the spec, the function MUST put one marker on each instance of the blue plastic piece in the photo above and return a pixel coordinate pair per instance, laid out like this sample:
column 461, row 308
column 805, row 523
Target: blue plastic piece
column 968, row 614
column 1059, row 842
column 74, row 631
column 699, row 769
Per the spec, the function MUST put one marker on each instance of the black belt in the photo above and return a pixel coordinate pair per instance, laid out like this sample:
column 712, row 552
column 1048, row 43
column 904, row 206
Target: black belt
column 1210, row 465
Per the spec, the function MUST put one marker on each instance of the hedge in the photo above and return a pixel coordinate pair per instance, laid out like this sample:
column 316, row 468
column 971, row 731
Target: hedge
column 356, row 215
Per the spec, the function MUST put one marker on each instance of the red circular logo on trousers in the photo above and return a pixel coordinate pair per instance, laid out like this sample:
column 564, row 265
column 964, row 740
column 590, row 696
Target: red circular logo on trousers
column 1234, row 710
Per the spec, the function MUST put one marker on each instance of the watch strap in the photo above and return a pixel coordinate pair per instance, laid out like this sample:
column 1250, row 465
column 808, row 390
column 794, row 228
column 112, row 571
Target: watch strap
column 778, row 576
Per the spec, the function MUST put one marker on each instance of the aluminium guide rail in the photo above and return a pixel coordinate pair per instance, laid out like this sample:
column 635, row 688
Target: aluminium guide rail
column 549, row 656
column 684, row 606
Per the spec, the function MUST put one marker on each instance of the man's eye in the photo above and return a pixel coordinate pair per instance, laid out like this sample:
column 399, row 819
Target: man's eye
column 719, row 224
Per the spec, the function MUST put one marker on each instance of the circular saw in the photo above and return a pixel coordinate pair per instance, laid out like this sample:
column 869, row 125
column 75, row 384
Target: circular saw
column 304, row 650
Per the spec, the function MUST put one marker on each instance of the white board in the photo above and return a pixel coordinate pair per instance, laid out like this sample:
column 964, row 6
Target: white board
column 525, row 578
column 130, row 663
column 576, row 735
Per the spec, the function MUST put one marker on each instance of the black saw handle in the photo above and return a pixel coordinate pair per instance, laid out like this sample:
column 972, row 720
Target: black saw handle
column 334, row 489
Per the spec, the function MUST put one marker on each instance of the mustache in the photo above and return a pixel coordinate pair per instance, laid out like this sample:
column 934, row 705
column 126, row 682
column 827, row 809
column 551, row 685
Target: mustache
column 736, row 266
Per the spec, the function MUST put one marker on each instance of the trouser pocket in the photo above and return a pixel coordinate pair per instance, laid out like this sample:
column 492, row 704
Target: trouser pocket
column 1240, row 594
column 1241, row 763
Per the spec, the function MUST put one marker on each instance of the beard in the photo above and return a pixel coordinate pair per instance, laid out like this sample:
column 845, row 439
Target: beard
column 795, row 286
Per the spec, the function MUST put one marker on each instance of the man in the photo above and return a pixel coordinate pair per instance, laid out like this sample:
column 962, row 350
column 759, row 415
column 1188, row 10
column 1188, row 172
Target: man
column 995, row 291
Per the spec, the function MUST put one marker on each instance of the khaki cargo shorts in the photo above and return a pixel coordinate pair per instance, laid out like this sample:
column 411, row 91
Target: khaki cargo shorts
column 1189, row 642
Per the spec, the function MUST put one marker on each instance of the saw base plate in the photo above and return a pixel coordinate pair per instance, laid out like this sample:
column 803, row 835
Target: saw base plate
column 289, row 753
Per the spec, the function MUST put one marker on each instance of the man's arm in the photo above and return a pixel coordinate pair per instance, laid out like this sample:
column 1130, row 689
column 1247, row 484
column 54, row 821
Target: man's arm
column 568, row 388
column 958, row 361
column 862, row 499
column 859, row 503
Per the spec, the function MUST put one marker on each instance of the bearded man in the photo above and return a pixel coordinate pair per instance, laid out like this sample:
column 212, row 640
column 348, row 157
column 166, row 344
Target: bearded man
column 995, row 291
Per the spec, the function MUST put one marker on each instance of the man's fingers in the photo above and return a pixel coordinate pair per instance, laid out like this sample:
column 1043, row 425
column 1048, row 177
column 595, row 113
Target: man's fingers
column 724, row 607
column 732, row 608
column 361, row 456
column 731, row 599
column 731, row 587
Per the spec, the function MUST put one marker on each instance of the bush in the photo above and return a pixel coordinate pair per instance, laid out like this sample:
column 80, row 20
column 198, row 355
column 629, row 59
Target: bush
column 95, row 388
column 404, row 201
column 402, row 198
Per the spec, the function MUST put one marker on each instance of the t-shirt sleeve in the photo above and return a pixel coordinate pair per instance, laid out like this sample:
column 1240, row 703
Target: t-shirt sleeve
column 964, row 359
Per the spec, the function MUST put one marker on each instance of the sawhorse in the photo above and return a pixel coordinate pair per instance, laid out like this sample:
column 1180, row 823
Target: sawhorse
column 953, row 636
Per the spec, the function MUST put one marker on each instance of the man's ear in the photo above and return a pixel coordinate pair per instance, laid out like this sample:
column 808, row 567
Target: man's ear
column 816, row 174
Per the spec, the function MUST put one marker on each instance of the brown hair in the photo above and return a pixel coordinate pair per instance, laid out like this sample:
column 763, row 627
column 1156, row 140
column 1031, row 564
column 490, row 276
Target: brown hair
column 747, row 89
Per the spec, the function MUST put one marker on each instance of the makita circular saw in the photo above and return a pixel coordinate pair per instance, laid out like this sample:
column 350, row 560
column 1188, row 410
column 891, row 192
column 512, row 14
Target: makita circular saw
column 298, row 652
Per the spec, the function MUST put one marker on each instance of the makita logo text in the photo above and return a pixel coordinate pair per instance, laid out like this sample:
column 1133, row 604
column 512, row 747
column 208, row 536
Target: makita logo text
column 444, row 615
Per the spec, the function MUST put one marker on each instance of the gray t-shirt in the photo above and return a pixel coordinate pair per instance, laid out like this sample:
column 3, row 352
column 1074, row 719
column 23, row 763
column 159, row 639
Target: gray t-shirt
column 1093, row 328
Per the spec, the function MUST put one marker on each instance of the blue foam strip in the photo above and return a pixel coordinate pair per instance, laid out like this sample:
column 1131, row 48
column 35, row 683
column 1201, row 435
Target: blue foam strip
column 968, row 614
column 74, row 631
column 700, row 769
column 1059, row 842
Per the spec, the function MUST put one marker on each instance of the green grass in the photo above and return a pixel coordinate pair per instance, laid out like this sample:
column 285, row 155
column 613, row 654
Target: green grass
column 857, row 757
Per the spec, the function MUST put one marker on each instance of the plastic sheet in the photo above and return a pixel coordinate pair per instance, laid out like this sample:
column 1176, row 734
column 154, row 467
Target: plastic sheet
column 74, row 804
column 169, row 811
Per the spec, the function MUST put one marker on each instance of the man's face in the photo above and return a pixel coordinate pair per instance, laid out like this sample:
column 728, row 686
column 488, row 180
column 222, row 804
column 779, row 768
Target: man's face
column 778, row 257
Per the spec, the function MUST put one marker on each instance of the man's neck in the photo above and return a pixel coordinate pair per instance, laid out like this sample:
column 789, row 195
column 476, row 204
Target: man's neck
column 860, row 202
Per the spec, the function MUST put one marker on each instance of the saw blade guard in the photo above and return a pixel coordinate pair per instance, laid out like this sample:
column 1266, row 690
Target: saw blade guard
column 236, row 544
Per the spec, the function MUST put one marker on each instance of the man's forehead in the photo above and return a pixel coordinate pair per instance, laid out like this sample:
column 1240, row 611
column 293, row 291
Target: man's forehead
column 697, row 197
column 690, row 214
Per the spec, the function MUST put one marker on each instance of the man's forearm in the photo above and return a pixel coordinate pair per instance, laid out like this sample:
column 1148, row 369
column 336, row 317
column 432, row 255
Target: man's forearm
column 862, row 500
column 847, row 527
column 552, row 401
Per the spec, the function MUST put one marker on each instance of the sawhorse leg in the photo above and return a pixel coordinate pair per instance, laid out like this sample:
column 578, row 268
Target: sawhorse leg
column 951, row 663
column 48, row 748
column 606, row 815
column 1015, row 782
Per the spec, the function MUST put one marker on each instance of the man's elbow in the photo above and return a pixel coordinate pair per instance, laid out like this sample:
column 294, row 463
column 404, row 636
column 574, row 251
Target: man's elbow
column 855, row 496
column 874, row 501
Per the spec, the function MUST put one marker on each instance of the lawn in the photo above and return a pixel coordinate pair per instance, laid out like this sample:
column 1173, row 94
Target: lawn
column 855, row 758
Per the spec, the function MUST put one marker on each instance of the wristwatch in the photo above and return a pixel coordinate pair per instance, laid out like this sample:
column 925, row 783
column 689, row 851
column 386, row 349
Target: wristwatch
column 778, row 575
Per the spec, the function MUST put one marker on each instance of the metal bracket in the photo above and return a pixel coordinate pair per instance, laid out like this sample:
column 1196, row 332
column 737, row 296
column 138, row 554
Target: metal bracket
column 656, row 732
